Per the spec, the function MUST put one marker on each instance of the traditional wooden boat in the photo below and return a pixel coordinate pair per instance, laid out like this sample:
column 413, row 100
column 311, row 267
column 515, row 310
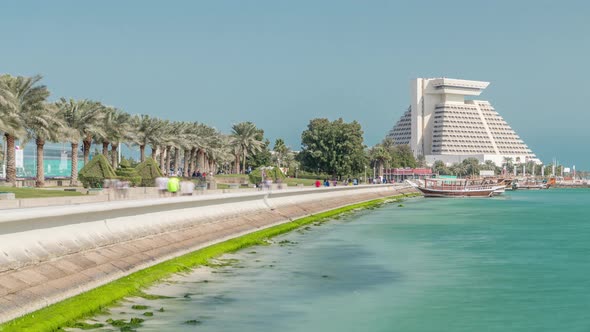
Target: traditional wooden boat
column 458, row 188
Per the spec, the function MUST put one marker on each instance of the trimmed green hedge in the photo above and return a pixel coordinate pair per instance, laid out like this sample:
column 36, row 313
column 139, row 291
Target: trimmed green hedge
column 127, row 173
column 148, row 171
column 275, row 173
column 93, row 174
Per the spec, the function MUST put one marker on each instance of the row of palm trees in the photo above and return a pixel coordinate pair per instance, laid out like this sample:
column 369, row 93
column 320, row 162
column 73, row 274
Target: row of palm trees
column 26, row 115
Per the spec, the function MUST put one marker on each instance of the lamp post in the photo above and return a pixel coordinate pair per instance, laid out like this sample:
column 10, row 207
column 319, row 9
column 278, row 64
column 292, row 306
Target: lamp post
column 365, row 174
column 296, row 169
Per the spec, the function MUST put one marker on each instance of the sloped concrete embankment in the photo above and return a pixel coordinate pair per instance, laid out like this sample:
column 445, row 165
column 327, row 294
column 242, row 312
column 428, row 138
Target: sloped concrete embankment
column 49, row 255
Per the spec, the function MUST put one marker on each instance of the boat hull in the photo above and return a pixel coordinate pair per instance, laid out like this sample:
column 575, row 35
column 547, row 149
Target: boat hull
column 430, row 192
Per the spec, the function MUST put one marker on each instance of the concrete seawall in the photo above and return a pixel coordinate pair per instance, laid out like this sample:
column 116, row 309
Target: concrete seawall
column 52, row 253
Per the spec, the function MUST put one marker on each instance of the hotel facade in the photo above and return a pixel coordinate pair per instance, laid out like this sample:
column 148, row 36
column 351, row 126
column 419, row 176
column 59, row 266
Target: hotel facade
column 441, row 124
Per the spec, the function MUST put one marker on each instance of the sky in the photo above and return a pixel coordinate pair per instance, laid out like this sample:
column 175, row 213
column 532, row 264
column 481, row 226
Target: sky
column 282, row 63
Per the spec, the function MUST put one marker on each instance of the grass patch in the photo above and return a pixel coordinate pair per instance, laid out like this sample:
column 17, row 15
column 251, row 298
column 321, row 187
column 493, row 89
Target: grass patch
column 66, row 313
column 139, row 307
column 294, row 182
column 86, row 326
column 151, row 296
column 37, row 193
column 221, row 176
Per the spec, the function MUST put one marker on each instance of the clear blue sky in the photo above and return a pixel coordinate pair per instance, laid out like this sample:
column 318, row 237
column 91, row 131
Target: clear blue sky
column 281, row 63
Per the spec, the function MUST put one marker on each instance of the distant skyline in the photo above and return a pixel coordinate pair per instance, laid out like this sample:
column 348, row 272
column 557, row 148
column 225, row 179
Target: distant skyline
column 281, row 63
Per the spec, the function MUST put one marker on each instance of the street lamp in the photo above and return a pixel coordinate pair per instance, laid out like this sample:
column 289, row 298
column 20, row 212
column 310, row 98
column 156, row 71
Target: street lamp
column 365, row 174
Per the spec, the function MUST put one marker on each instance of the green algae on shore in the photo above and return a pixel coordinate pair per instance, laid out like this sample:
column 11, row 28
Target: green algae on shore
column 67, row 312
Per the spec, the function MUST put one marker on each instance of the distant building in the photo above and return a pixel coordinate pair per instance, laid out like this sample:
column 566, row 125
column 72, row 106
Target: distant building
column 441, row 124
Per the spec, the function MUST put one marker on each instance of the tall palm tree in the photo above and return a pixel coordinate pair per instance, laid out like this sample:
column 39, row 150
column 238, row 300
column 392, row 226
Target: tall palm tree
column 106, row 122
column 379, row 155
column 281, row 150
column 146, row 129
column 244, row 137
column 44, row 125
column 84, row 118
column 20, row 97
column 120, row 133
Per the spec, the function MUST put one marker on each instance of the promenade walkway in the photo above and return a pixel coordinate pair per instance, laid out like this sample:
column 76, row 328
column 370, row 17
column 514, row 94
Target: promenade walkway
column 52, row 253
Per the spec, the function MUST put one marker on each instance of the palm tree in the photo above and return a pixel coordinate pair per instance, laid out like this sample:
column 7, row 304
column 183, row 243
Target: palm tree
column 120, row 131
column 84, row 118
column 146, row 128
column 244, row 137
column 21, row 98
column 44, row 125
column 281, row 150
column 380, row 156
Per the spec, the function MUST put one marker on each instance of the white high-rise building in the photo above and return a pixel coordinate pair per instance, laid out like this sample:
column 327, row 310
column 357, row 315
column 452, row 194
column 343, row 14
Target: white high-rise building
column 441, row 124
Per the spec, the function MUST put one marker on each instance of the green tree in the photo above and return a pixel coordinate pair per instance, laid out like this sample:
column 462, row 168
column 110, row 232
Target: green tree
column 404, row 157
column 246, row 139
column 379, row 156
column 22, row 103
column 146, row 128
column 333, row 147
column 43, row 125
column 84, row 118
column 471, row 166
column 439, row 167
column 281, row 151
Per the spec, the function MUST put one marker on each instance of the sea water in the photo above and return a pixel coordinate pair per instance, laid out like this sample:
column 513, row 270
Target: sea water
column 517, row 262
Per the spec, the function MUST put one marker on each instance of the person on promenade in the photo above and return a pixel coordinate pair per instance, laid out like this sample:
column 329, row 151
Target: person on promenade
column 162, row 184
column 173, row 185
column 187, row 188
column 318, row 183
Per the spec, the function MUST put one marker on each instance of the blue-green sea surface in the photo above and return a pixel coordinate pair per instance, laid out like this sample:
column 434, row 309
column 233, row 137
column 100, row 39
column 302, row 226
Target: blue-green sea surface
column 519, row 262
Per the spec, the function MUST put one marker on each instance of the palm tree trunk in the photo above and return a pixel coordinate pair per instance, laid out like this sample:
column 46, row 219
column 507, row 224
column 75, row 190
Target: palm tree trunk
column 154, row 152
column 244, row 161
column 142, row 153
column 114, row 155
column 211, row 166
column 163, row 160
column 187, row 156
column 74, row 176
column 205, row 164
column 105, row 149
column 201, row 161
column 40, row 181
column 168, row 150
column 86, row 143
column 193, row 163
column 176, row 160
column 237, row 163
column 10, row 160
column 380, row 165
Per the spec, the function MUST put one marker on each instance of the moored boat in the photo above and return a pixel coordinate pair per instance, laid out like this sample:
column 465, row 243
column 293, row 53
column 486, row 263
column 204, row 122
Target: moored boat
column 458, row 188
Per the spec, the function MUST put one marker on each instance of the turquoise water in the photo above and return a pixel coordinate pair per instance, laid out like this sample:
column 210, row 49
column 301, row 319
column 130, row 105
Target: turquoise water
column 514, row 263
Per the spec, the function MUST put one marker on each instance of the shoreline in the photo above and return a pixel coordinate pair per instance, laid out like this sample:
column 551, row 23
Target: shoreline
column 67, row 312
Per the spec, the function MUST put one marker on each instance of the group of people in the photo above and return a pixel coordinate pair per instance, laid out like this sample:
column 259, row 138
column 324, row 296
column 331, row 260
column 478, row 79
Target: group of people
column 174, row 186
column 334, row 183
column 121, row 188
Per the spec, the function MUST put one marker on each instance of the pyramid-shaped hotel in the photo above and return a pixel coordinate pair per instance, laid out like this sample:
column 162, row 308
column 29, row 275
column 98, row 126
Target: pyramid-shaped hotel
column 441, row 124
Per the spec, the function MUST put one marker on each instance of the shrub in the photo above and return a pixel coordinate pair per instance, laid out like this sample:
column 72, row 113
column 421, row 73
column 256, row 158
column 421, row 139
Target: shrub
column 148, row 171
column 127, row 173
column 96, row 171
column 274, row 173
